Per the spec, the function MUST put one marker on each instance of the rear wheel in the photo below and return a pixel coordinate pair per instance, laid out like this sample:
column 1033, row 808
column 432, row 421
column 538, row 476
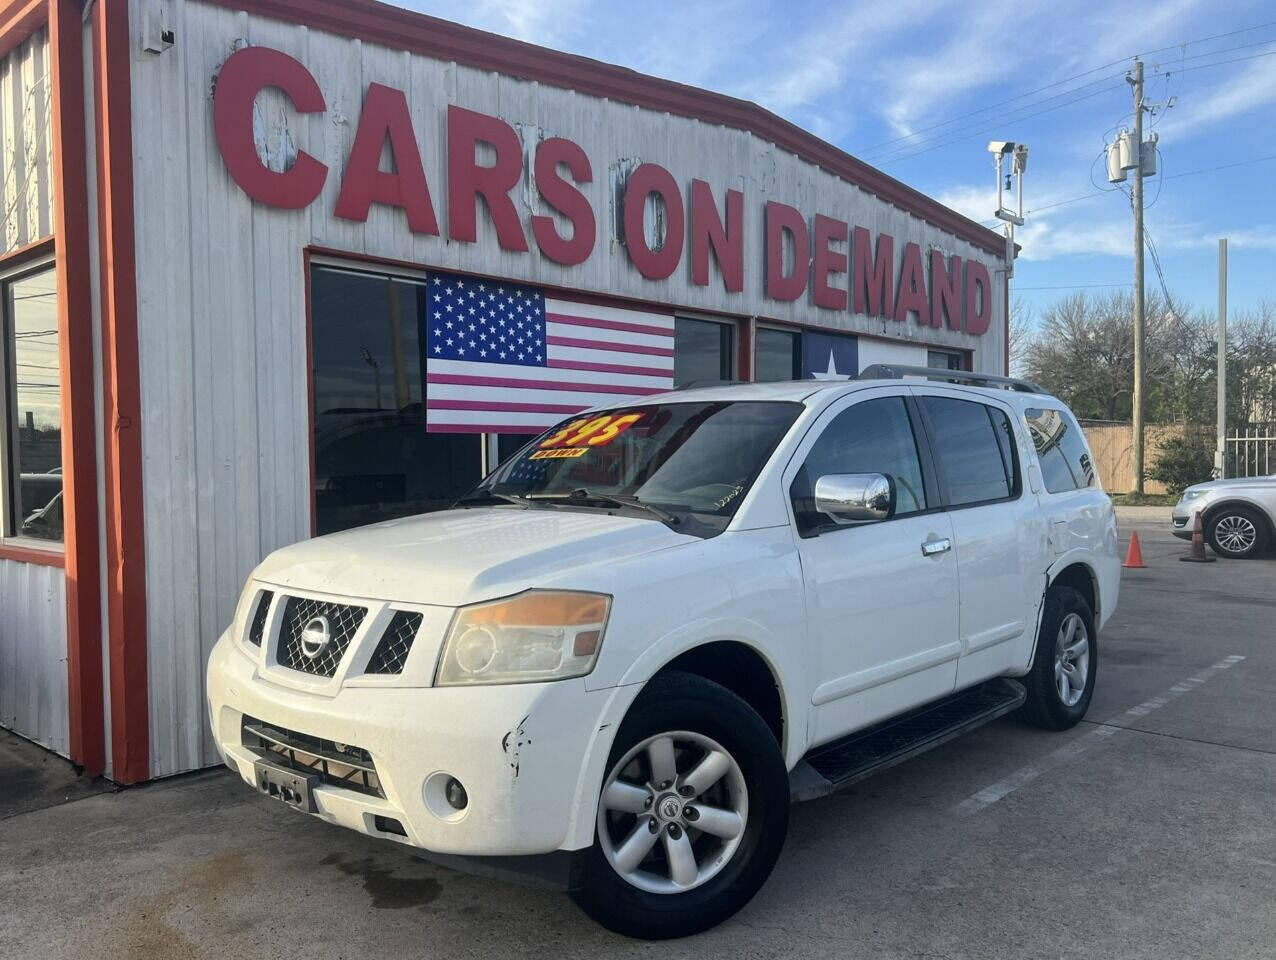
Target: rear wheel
column 692, row 813
column 1236, row 532
column 1061, row 681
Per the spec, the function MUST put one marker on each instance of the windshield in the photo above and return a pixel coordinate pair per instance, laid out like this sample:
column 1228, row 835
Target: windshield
column 694, row 461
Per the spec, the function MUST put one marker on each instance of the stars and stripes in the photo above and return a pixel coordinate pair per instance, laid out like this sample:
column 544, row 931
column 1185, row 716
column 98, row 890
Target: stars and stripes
column 504, row 358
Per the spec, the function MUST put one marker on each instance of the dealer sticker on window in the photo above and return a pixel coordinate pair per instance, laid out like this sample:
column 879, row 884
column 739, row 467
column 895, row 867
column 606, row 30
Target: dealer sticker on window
column 576, row 439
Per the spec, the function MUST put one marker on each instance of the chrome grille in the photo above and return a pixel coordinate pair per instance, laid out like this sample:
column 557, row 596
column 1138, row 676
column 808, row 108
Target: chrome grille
column 343, row 620
column 258, row 627
column 392, row 652
column 336, row 764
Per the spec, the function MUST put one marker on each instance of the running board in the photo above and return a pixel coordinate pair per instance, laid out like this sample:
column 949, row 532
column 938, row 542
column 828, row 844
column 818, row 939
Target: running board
column 839, row 764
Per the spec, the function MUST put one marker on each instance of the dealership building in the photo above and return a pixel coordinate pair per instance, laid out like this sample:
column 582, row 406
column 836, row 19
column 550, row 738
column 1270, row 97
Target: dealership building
column 259, row 260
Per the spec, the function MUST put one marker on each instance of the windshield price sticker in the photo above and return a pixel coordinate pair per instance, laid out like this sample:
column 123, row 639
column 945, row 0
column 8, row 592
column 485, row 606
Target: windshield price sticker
column 579, row 435
column 563, row 453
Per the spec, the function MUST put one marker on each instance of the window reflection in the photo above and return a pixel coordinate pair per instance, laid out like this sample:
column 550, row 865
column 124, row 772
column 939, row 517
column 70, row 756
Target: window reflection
column 31, row 306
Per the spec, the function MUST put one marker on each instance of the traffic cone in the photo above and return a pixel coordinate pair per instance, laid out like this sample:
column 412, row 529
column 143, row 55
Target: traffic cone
column 1197, row 552
column 1134, row 556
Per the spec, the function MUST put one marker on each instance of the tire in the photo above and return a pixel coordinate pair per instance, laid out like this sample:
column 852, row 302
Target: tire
column 1046, row 707
column 1237, row 533
column 701, row 718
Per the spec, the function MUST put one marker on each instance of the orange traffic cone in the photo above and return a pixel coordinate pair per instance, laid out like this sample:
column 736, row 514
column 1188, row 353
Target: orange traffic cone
column 1134, row 556
column 1197, row 552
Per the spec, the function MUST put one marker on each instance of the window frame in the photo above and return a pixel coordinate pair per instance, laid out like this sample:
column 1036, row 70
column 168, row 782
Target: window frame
column 1017, row 489
column 797, row 463
column 12, row 543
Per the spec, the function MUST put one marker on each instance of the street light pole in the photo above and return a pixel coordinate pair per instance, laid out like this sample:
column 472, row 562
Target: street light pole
column 1220, row 454
column 1136, row 79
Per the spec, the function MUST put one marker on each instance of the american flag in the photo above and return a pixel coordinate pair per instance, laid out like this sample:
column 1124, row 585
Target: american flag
column 504, row 358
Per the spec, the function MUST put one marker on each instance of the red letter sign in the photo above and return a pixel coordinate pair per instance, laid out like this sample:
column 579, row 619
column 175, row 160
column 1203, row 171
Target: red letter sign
column 978, row 298
column 385, row 114
column 566, row 199
column 647, row 179
column 828, row 262
column 782, row 219
column 727, row 241
column 466, row 179
column 945, row 291
column 874, row 276
column 245, row 74
column 911, row 297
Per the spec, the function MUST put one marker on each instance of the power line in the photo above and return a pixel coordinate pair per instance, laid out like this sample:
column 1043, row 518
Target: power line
column 1075, row 286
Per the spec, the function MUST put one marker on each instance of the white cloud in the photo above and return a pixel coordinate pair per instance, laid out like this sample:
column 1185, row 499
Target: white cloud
column 1197, row 115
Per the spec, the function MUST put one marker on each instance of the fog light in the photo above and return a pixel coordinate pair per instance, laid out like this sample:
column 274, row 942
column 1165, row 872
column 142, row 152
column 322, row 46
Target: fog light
column 455, row 794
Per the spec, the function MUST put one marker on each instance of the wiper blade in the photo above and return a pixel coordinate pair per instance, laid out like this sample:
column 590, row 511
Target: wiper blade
column 581, row 494
column 487, row 496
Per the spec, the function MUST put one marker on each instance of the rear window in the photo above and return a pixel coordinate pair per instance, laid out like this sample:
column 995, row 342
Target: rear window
column 973, row 449
column 1061, row 449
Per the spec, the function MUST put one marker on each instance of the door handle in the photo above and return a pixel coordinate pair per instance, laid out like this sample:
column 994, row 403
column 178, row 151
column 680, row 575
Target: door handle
column 933, row 548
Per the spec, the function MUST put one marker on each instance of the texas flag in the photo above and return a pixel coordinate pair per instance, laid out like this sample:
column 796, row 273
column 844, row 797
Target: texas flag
column 829, row 356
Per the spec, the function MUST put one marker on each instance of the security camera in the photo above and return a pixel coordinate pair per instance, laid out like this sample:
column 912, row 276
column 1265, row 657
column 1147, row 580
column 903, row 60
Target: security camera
column 1000, row 146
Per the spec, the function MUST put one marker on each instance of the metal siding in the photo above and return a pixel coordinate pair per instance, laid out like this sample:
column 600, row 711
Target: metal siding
column 221, row 309
column 33, row 684
column 26, row 189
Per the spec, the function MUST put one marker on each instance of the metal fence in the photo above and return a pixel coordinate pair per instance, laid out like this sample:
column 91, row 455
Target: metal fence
column 1251, row 450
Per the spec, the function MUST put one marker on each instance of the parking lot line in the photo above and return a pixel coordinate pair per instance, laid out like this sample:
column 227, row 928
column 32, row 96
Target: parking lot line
column 1056, row 758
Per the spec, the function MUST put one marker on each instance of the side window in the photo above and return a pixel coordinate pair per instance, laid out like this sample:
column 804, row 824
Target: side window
column 875, row 436
column 974, row 449
column 1065, row 464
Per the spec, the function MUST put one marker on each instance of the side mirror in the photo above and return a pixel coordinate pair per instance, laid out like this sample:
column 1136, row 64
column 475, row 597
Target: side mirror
column 849, row 498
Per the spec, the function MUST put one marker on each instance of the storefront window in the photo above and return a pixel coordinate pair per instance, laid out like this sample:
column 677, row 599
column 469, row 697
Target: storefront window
column 33, row 406
column 777, row 355
column 374, row 459
column 703, row 351
column 943, row 360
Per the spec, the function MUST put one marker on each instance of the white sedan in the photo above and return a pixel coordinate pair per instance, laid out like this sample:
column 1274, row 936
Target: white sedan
column 1238, row 515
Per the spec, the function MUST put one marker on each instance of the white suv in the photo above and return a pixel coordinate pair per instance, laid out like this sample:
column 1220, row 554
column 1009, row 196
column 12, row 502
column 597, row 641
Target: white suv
column 621, row 656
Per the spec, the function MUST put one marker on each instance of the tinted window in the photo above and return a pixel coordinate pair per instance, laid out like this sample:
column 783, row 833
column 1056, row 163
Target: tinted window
column 875, row 436
column 969, row 454
column 776, row 356
column 374, row 459
column 1065, row 464
column 702, row 351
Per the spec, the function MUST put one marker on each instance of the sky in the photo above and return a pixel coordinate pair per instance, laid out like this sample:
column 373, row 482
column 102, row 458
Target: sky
column 918, row 89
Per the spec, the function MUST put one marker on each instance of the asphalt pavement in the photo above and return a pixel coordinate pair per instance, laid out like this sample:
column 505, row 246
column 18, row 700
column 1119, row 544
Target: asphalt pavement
column 1149, row 831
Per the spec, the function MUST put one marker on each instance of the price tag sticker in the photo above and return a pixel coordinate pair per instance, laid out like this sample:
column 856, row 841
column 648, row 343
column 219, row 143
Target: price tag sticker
column 580, row 435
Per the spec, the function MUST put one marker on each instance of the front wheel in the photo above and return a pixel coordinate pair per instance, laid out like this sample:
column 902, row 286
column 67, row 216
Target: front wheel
column 1236, row 533
column 1061, row 681
column 692, row 814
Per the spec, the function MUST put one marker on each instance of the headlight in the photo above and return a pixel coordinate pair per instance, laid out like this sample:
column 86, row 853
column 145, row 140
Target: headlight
column 1190, row 495
column 537, row 635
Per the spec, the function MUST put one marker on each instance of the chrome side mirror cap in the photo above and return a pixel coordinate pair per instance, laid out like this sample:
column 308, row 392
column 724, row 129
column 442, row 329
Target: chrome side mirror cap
column 851, row 498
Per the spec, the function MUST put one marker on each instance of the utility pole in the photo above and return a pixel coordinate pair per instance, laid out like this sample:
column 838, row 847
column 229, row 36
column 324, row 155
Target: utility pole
column 1220, row 454
column 1136, row 80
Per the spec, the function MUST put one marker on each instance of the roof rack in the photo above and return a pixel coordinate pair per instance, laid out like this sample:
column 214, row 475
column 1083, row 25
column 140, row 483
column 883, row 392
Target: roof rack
column 891, row 371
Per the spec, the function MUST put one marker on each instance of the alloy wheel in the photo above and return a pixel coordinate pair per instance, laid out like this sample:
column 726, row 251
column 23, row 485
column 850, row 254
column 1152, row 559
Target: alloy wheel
column 1235, row 533
column 672, row 813
column 1072, row 659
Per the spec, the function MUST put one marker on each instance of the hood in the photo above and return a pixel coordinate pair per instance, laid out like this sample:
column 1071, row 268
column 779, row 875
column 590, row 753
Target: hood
column 1258, row 482
column 464, row 556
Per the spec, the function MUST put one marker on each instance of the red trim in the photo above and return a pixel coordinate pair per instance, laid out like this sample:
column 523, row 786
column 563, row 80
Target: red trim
column 592, row 367
column 79, row 427
column 20, row 19
column 122, row 414
column 34, row 250
column 442, row 40
column 49, row 558
column 610, row 325
column 609, row 345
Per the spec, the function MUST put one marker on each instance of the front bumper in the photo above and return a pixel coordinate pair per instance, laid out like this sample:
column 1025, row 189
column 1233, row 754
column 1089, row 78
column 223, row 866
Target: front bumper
column 1181, row 522
column 530, row 756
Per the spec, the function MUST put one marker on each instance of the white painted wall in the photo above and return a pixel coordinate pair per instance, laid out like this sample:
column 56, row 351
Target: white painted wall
column 890, row 351
column 33, row 678
column 222, row 302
